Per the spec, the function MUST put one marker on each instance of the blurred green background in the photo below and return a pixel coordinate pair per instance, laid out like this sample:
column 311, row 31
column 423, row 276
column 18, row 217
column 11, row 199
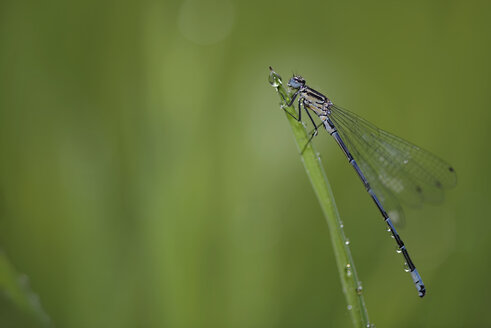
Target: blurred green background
column 148, row 177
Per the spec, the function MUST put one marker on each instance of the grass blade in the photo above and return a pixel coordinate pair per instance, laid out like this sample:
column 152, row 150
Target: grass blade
column 349, row 279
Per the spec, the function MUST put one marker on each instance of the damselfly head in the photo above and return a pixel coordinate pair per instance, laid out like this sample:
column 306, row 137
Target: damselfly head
column 296, row 82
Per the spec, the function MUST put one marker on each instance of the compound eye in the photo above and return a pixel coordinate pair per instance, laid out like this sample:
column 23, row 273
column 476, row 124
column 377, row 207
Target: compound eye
column 296, row 82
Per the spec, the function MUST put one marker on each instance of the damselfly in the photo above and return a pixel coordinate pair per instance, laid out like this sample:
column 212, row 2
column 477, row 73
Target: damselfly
column 392, row 170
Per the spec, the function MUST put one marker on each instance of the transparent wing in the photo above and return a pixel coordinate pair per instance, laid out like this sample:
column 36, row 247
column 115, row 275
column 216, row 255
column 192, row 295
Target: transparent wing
column 391, row 204
column 395, row 168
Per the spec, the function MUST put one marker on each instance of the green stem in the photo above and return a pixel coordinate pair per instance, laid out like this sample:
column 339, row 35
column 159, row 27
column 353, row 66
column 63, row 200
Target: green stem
column 349, row 279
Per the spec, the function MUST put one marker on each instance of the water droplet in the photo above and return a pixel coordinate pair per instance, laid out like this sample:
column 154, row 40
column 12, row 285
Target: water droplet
column 275, row 80
column 350, row 307
column 348, row 270
column 341, row 224
column 359, row 289
column 370, row 325
column 388, row 230
column 406, row 267
column 347, row 242
column 398, row 250
column 405, row 161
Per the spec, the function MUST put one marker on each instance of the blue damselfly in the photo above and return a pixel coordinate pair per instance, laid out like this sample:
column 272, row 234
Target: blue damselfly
column 392, row 170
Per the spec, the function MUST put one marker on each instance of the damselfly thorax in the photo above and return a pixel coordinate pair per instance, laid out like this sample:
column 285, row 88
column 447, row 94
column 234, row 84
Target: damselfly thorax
column 315, row 101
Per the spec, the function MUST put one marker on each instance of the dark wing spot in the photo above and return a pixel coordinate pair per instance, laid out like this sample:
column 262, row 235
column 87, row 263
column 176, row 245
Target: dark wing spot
column 438, row 184
column 450, row 169
column 418, row 189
